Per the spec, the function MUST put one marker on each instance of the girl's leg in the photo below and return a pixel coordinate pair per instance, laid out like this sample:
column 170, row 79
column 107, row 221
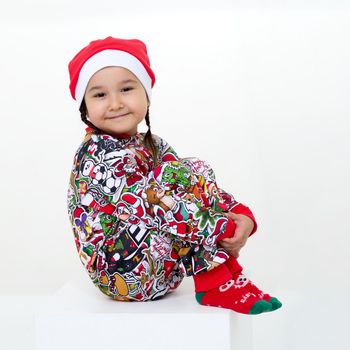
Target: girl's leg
column 214, row 197
column 143, row 259
column 220, row 200
column 217, row 286
column 234, row 266
column 223, row 286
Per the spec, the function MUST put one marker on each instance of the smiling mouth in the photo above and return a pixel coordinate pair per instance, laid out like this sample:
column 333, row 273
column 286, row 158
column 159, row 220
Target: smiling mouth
column 118, row 116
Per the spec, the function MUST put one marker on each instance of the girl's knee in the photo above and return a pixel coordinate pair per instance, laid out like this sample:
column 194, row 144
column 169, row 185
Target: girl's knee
column 200, row 167
column 173, row 173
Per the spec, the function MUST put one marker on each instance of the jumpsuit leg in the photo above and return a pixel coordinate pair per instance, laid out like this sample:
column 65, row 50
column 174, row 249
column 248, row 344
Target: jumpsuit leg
column 215, row 197
column 136, row 263
column 204, row 193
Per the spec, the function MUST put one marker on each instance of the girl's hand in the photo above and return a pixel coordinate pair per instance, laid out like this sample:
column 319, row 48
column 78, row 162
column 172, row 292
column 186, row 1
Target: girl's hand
column 244, row 227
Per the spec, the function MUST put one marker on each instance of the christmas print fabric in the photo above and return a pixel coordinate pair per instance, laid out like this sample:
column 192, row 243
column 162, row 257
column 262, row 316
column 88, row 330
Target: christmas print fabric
column 139, row 228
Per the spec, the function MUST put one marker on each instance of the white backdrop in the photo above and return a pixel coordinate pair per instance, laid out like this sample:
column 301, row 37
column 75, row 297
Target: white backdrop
column 260, row 90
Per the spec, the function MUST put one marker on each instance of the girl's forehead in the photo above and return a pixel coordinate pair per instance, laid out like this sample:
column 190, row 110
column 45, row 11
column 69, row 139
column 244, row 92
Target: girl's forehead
column 113, row 74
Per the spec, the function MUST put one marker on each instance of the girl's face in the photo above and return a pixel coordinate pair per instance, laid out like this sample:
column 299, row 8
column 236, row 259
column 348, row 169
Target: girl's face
column 116, row 101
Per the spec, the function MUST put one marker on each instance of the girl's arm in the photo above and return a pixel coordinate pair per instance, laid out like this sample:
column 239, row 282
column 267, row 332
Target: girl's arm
column 91, row 228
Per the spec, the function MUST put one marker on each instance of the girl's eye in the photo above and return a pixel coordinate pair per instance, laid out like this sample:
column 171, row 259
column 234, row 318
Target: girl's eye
column 127, row 88
column 100, row 94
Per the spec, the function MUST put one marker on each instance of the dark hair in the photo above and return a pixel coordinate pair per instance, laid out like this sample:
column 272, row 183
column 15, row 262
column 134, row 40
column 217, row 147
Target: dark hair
column 148, row 138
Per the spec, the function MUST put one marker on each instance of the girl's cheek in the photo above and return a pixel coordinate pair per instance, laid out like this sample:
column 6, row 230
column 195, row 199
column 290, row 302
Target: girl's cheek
column 99, row 107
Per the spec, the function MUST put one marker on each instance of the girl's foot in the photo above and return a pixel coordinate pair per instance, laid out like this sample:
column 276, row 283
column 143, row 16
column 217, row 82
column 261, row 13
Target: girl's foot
column 276, row 304
column 231, row 295
column 241, row 279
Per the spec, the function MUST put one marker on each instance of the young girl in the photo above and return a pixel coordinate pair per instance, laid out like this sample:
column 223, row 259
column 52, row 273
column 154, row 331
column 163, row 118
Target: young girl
column 142, row 217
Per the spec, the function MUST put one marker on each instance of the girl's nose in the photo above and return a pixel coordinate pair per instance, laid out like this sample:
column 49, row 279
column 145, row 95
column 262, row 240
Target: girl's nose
column 115, row 102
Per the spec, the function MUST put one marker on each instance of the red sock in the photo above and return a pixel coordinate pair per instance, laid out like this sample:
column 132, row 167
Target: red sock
column 217, row 287
column 236, row 270
column 222, row 287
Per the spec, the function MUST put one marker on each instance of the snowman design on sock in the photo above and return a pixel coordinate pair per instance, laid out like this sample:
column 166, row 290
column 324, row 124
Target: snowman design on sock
column 238, row 283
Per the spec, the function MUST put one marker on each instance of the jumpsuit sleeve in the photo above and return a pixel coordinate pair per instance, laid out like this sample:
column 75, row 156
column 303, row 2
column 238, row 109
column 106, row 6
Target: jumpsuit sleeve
column 242, row 209
column 116, row 181
column 236, row 207
column 90, row 227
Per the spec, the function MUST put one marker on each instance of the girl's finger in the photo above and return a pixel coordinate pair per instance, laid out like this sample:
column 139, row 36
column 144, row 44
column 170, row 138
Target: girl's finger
column 230, row 240
column 239, row 233
column 236, row 254
column 232, row 249
column 234, row 216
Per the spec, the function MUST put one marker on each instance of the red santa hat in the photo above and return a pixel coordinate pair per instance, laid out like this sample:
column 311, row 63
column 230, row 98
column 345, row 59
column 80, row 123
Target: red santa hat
column 128, row 53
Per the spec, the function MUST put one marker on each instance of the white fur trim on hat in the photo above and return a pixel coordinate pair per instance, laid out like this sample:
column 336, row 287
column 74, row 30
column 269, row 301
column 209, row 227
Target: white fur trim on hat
column 108, row 58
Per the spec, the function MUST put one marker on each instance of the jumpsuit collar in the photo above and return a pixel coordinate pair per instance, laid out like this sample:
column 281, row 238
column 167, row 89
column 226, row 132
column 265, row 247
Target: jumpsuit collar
column 123, row 136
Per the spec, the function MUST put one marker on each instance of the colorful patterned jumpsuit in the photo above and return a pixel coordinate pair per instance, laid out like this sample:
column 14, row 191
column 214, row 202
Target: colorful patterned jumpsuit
column 140, row 229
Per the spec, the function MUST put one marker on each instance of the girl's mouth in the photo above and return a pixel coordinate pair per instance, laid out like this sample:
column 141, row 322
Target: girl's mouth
column 118, row 116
